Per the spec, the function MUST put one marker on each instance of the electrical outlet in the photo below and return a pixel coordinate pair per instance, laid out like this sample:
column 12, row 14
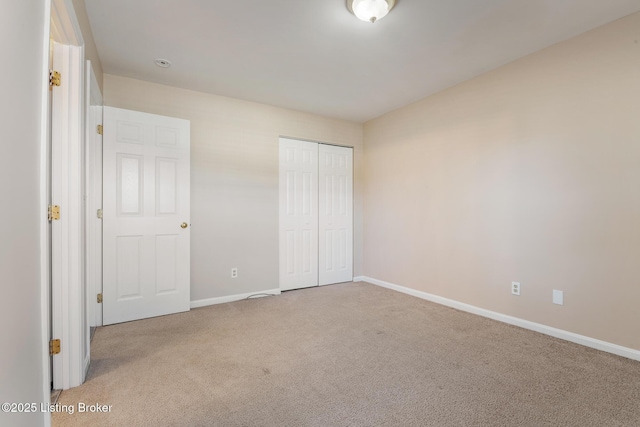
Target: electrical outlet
column 515, row 288
column 558, row 297
column 234, row 273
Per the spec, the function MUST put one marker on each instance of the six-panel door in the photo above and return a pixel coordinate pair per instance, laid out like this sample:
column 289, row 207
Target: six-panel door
column 336, row 214
column 298, row 214
column 146, row 216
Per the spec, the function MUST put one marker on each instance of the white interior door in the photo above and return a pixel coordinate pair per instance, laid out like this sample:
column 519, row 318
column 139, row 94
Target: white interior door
column 336, row 214
column 298, row 214
column 146, row 215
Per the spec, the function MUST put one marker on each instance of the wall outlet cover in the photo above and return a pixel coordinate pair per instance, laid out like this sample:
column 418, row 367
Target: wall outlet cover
column 515, row 288
column 558, row 297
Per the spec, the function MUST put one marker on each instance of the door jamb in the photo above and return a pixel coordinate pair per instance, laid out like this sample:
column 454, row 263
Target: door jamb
column 93, row 193
column 67, row 295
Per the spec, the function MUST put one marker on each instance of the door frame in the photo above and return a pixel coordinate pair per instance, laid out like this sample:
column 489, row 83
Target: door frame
column 67, row 296
column 93, row 196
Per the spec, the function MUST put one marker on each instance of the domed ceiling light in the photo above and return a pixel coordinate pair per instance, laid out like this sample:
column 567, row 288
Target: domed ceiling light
column 370, row 10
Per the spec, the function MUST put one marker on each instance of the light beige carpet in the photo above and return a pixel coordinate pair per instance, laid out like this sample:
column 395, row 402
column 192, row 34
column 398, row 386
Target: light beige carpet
column 347, row 355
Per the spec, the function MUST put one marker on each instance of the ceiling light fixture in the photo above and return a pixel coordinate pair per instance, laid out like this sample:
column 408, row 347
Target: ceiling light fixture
column 163, row 63
column 370, row 10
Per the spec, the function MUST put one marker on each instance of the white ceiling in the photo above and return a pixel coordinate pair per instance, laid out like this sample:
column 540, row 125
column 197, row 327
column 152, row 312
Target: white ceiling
column 314, row 56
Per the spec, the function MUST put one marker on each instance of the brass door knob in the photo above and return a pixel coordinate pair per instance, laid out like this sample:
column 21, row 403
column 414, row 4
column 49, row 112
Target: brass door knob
column 184, row 225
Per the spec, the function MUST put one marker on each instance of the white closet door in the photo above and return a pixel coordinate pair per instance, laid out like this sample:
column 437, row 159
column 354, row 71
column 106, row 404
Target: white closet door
column 298, row 214
column 336, row 214
column 146, row 216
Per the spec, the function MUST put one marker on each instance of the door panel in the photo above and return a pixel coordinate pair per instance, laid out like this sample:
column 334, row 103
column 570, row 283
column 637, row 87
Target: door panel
column 336, row 214
column 146, row 199
column 128, row 267
column 130, row 180
column 298, row 214
column 166, row 186
column 166, row 268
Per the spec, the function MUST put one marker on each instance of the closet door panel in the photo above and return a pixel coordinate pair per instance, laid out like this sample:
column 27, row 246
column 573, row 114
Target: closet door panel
column 298, row 232
column 335, row 261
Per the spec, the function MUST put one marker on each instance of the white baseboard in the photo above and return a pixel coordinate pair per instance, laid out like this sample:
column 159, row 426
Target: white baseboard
column 543, row 329
column 87, row 362
column 231, row 298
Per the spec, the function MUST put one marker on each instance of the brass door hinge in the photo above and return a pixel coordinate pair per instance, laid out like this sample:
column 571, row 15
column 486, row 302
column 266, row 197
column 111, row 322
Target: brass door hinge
column 100, row 129
column 99, row 298
column 53, row 212
column 54, row 347
column 54, row 78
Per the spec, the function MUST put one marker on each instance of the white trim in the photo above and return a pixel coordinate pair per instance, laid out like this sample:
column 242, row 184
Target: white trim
column 87, row 363
column 232, row 298
column 537, row 327
column 93, row 197
column 44, row 223
column 65, row 28
column 359, row 279
column 68, row 293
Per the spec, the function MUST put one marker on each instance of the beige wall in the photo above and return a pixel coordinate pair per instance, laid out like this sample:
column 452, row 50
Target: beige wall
column 234, row 179
column 529, row 173
column 90, row 50
column 22, row 49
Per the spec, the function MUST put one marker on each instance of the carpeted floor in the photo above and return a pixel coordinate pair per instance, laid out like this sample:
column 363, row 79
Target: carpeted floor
column 347, row 355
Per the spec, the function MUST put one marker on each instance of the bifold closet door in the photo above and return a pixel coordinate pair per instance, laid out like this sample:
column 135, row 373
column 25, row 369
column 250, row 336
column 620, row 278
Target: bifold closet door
column 336, row 214
column 298, row 214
